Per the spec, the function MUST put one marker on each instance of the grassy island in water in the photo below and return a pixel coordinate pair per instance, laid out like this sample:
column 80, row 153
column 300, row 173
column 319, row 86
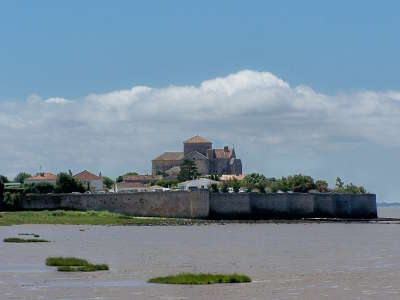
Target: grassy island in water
column 84, row 218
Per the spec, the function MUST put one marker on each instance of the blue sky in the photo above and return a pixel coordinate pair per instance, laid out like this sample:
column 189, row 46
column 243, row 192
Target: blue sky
column 297, row 86
column 73, row 48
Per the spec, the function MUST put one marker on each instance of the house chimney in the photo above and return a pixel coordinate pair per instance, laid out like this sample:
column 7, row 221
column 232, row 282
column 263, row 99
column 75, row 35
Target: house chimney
column 226, row 149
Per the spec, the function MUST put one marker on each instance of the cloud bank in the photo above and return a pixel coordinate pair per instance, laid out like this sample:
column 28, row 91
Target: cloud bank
column 275, row 127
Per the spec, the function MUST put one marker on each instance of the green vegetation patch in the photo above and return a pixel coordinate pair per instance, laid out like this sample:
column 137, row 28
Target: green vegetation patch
column 31, row 234
column 73, row 264
column 65, row 261
column 20, row 240
column 202, row 278
column 85, row 218
column 85, row 268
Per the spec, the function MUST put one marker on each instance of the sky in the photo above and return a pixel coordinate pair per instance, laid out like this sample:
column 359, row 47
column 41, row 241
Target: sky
column 297, row 86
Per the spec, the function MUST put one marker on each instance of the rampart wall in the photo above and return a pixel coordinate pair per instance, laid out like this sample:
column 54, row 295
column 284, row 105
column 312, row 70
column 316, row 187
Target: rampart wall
column 202, row 204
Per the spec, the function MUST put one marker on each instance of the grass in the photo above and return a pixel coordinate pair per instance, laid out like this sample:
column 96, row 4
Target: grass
column 73, row 264
column 65, row 261
column 202, row 278
column 85, row 218
column 86, row 268
column 19, row 240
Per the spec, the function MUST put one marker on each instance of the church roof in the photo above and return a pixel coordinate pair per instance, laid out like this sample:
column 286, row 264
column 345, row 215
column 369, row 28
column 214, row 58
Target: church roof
column 195, row 154
column 170, row 156
column 197, row 140
column 222, row 153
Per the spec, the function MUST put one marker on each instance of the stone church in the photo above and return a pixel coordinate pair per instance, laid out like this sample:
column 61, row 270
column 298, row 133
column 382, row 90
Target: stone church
column 208, row 160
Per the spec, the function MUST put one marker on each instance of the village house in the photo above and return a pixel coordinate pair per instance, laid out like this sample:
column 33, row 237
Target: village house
column 91, row 181
column 42, row 177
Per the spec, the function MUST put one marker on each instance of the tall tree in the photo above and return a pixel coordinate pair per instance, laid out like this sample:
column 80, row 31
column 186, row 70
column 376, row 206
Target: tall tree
column 108, row 182
column 21, row 177
column 188, row 170
column 4, row 179
column 67, row 184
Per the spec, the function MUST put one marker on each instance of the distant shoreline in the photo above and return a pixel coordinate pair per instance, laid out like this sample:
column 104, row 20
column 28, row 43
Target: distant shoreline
column 388, row 204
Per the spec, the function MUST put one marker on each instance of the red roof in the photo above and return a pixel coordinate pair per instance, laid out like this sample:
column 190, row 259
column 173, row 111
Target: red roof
column 197, row 140
column 43, row 176
column 86, row 175
column 222, row 153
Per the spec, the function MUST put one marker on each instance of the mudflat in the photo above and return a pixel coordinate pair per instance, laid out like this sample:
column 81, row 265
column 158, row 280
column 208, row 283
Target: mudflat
column 285, row 261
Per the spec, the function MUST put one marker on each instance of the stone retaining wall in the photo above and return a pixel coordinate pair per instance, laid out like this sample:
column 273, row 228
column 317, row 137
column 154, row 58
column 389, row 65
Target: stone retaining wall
column 202, row 204
column 156, row 204
column 292, row 206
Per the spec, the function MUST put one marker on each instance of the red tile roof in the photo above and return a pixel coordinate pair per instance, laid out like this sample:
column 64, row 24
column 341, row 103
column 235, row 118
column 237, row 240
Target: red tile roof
column 141, row 178
column 231, row 177
column 221, row 153
column 86, row 175
column 43, row 176
column 197, row 140
column 170, row 156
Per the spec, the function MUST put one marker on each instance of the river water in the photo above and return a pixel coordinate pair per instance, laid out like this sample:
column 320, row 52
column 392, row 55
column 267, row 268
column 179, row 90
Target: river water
column 285, row 261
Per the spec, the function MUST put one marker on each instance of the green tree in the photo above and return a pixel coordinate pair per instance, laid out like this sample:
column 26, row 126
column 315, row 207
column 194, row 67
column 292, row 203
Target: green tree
column 1, row 190
column 21, row 177
column 235, row 185
column 224, row 187
column 108, row 182
column 67, row 184
column 254, row 180
column 39, row 188
column 3, row 179
column 165, row 183
column 339, row 183
column 188, row 170
column 120, row 178
column 321, row 186
column 214, row 188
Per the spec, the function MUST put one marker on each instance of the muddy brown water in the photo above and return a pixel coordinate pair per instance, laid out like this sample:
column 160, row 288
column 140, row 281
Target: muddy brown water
column 285, row 261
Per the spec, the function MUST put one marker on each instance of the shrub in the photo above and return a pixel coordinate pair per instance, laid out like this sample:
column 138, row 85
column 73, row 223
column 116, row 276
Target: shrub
column 214, row 188
column 341, row 187
column 39, row 188
column 236, row 185
column 165, row 183
column 13, row 199
column 321, row 186
column 224, row 187
column 202, row 278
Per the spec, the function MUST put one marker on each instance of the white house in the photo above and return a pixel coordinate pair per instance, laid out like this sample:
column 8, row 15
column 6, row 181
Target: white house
column 94, row 182
column 201, row 183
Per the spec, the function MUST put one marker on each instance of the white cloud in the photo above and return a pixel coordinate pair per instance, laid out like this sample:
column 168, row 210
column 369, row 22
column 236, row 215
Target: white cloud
column 124, row 130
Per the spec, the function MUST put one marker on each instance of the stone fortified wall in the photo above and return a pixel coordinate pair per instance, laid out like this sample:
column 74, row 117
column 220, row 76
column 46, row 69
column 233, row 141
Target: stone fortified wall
column 147, row 204
column 292, row 206
column 202, row 204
